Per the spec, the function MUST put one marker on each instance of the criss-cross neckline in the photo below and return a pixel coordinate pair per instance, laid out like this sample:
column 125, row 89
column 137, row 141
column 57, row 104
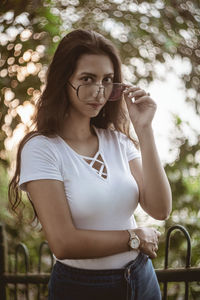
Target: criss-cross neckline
column 97, row 159
column 91, row 160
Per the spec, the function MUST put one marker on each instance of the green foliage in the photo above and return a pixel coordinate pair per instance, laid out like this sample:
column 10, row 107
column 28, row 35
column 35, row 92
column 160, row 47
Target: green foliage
column 18, row 230
column 184, row 177
column 148, row 31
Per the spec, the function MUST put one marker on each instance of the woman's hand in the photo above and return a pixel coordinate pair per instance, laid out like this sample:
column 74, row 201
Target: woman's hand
column 149, row 238
column 142, row 110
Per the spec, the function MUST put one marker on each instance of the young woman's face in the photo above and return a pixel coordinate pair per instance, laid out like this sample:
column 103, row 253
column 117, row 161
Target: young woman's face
column 90, row 69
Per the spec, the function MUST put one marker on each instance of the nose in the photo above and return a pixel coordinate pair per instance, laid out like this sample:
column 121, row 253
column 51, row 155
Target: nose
column 101, row 94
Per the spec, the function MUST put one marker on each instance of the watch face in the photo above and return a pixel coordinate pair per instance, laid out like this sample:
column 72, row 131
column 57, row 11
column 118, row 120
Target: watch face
column 135, row 243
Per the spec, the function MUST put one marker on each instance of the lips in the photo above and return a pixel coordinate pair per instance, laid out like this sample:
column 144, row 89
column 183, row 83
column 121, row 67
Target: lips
column 95, row 105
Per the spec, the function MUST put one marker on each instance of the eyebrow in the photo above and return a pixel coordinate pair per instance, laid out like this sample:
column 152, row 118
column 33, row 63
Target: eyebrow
column 94, row 75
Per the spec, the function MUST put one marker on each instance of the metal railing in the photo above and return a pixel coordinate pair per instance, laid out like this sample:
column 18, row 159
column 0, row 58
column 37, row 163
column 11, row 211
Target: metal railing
column 15, row 278
column 187, row 274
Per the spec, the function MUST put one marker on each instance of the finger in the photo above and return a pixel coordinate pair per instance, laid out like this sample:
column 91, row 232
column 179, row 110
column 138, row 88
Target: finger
column 153, row 247
column 158, row 233
column 136, row 94
column 145, row 99
column 155, row 241
column 128, row 89
column 131, row 88
column 156, row 248
column 154, row 255
column 139, row 93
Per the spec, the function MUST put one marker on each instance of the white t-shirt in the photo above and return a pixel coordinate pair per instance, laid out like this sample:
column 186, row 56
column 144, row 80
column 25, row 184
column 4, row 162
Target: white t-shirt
column 103, row 200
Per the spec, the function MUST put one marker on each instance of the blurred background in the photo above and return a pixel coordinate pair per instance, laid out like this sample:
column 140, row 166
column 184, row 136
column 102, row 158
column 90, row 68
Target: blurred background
column 159, row 43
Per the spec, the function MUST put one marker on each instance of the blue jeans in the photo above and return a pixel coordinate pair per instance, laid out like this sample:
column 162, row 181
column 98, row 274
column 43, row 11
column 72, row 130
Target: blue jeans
column 136, row 281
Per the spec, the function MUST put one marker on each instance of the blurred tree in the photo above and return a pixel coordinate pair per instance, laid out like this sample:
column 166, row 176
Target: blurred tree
column 144, row 32
column 184, row 177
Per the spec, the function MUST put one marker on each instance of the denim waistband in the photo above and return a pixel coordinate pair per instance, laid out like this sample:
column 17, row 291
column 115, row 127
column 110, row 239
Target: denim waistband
column 78, row 271
column 106, row 275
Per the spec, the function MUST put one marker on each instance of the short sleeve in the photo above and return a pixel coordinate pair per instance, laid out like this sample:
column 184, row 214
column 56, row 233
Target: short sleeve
column 39, row 161
column 131, row 150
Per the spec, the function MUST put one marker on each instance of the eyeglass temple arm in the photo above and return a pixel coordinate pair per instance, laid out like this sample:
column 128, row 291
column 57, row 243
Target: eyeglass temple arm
column 72, row 86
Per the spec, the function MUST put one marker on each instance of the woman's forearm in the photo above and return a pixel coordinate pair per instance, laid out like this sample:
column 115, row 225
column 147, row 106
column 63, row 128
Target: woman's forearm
column 84, row 244
column 157, row 199
column 88, row 244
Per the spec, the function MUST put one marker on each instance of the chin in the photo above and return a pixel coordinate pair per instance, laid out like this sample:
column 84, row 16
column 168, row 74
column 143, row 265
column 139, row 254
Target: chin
column 92, row 115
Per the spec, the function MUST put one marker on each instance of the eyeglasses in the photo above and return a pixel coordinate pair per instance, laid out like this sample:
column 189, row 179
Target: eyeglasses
column 88, row 92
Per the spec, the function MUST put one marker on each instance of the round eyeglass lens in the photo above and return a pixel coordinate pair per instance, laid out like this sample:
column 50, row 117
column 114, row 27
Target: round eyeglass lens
column 116, row 93
column 111, row 91
column 88, row 92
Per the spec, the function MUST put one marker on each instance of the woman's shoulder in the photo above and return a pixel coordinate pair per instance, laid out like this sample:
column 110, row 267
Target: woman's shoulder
column 110, row 133
column 40, row 141
column 38, row 137
column 40, row 148
column 112, row 136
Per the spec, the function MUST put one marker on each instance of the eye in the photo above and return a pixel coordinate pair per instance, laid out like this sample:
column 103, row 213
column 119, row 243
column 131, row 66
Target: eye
column 108, row 80
column 86, row 79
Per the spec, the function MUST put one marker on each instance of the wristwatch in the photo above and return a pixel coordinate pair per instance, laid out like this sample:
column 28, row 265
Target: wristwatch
column 134, row 241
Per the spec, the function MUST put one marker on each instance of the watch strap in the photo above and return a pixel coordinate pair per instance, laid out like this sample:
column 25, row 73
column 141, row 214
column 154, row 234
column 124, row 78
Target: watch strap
column 132, row 234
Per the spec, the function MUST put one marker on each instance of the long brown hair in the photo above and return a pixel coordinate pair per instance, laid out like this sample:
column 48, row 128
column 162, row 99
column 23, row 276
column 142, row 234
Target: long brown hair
column 54, row 102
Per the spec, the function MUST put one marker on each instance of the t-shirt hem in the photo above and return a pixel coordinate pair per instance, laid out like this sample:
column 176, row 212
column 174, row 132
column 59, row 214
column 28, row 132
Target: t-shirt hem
column 132, row 157
column 117, row 261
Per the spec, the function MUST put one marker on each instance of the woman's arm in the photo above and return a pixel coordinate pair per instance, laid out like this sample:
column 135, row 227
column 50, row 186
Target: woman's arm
column 68, row 242
column 155, row 192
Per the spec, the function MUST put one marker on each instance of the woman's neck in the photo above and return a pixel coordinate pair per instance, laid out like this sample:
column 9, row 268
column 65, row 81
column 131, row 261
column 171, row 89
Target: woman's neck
column 76, row 129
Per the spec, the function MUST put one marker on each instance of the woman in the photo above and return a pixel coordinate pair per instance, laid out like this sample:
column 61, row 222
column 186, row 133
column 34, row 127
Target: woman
column 85, row 177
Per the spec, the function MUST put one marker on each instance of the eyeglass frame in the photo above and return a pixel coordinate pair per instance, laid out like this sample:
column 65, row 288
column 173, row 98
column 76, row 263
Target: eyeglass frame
column 100, row 86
